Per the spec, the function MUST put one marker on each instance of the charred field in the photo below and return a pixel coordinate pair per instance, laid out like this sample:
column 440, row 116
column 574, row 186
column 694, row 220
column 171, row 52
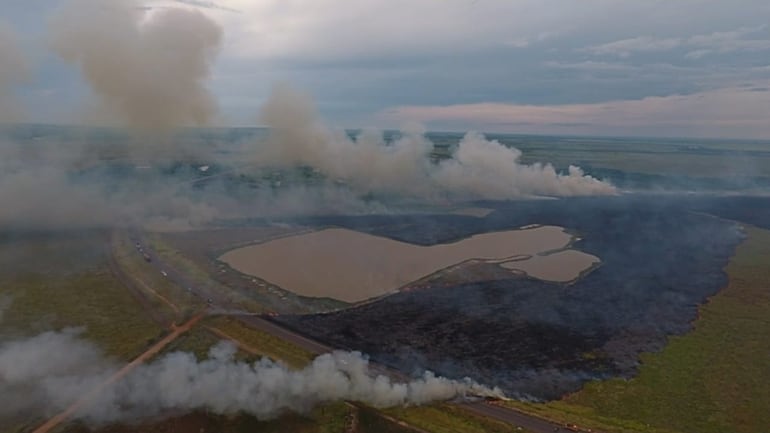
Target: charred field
column 662, row 256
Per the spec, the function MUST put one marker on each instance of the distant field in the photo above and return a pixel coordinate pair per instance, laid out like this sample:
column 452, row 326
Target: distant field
column 659, row 156
column 712, row 380
column 326, row 419
column 56, row 280
column 260, row 342
column 442, row 418
column 70, row 286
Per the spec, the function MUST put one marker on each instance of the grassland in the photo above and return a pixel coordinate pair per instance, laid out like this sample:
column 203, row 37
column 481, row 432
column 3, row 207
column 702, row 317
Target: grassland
column 54, row 281
column 712, row 380
column 82, row 294
column 326, row 419
column 698, row 158
column 443, row 418
column 261, row 343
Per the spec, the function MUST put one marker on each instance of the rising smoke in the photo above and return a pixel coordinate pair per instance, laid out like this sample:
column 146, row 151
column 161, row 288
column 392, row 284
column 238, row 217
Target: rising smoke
column 149, row 67
column 479, row 168
column 178, row 381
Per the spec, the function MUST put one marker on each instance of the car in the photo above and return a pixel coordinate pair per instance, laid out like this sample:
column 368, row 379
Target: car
column 164, row 273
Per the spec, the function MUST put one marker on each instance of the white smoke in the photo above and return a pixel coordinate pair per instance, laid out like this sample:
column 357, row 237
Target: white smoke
column 44, row 192
column 179, row 382
column 149, row 67
column 479, row 168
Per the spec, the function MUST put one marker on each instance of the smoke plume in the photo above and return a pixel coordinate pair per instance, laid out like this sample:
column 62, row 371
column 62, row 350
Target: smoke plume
column 42, row 187
column 179, row 382
column 13, row 67
column 478, row 168
column 149, row 67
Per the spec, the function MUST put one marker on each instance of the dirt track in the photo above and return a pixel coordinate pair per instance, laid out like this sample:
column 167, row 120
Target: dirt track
column 94, row 393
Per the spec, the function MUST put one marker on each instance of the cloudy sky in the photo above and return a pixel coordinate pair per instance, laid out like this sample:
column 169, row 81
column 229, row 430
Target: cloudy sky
column 696, row 68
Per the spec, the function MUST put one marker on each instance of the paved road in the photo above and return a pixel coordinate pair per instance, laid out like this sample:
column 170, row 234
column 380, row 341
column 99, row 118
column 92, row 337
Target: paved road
column 500, row 413
column 264, row 325
column 512, row 416
column 490, row 410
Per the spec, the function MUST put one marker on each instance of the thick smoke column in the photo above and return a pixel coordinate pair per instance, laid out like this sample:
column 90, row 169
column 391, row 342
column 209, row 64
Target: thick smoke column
column 150, row 67
column 13, row 67
column 479, row 168
column 178, row 381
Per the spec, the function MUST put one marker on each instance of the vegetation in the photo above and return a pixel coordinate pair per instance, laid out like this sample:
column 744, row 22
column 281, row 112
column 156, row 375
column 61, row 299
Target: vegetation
column 714, row 379
column 449, row 419
column 331, row 418
column 196, row 341
column 57, row 281
column 89, row 298
column 262, row 343
column 327, row 419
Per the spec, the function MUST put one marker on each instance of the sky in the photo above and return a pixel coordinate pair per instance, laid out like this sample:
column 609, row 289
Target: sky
column 688, row 68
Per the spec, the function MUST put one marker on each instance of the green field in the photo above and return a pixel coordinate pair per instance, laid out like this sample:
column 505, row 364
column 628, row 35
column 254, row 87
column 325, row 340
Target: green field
column 262, row 343
column 70, row 285
column 444, row 418
column 715, row 379
column 55, row 281
column 698, row 158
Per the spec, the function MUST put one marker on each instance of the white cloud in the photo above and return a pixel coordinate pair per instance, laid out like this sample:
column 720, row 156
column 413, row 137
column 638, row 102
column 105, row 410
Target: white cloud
column 701, row 44
column 728, row 112
column 13, row 68
column 328, row 30
column 625, row 47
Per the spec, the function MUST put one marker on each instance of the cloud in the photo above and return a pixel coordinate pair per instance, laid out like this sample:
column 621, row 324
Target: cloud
column 725, row 112
column 148, row 67
column 372, row 54
column 12, row 72
column 206, row 5
column 625, row 47
column 736, row 40
column 324, row 31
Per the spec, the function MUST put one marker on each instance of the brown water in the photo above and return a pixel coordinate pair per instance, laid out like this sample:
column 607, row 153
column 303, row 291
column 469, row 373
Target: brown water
column 353, row 266
column 562, row 266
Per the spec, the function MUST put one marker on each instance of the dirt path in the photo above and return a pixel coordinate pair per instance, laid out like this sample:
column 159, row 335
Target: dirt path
column 157, row 295
column 94, row 393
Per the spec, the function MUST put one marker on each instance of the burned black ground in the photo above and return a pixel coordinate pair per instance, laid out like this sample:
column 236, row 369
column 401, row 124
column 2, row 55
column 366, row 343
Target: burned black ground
column 661, row 258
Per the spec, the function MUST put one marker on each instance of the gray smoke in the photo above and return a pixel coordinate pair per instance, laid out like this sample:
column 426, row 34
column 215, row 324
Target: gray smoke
column 149, row 67
column 478, row 168
column 179, row 382
column 43, row 191
column 13, row 68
